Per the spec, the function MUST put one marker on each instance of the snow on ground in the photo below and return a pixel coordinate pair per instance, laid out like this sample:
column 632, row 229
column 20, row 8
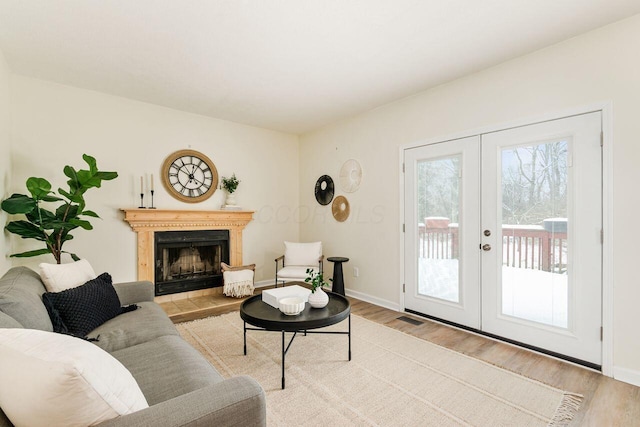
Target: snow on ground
column 534, row 295
column 438, row 278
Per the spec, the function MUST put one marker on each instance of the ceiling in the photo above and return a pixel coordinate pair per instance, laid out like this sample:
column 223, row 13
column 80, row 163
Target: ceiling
column 287, row 65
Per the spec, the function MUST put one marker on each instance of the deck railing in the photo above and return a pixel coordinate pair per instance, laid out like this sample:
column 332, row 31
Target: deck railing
column 523, row 246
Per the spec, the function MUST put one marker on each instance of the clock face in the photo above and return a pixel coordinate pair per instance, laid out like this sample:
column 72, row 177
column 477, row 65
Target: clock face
column 189, row 176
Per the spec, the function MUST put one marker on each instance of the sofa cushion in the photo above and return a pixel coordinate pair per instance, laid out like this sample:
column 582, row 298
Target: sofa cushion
column 148, row 322
column 21, row 298
column 7, row 321
column 78, row 311
column 50, row 379
column 58, row 277
column 167, row 367
column 134, row 292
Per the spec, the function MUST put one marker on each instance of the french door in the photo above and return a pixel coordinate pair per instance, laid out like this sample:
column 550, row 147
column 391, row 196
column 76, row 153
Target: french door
column 503, row 234
column 441, row 238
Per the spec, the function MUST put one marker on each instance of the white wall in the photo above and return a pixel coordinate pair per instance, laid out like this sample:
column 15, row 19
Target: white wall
column 600, row 66
column 53, row 125
column 5, row 159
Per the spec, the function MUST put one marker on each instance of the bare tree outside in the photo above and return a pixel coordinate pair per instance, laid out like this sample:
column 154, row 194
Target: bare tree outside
column 534, row 180
column 534, row 183
column 438, row 188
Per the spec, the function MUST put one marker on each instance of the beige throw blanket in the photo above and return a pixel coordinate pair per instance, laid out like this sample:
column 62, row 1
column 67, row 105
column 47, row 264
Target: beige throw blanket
column 238, row 284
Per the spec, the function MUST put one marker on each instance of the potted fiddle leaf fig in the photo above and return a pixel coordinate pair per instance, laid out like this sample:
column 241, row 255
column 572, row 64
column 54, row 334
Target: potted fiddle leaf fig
column 52, row 226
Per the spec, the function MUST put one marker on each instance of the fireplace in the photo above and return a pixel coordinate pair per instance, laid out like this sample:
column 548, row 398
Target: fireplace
column 148, row 222
column 189, row 260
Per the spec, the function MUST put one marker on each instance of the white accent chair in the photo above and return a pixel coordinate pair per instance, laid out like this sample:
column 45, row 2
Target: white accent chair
column 297, row 258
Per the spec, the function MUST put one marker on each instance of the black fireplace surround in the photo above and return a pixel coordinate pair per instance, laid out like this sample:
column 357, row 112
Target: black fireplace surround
column 189, row 260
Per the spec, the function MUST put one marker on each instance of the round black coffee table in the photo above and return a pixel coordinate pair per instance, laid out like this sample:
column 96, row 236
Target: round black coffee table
column 267, row 318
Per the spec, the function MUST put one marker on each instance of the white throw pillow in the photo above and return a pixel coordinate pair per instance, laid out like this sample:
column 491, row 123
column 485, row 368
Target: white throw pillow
column 302, row 253
column 238, row 283
column 59, row 277
column 50, row 379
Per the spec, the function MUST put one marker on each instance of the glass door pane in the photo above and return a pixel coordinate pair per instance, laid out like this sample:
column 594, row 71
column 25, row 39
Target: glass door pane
column 438, row 210
column 534, row 232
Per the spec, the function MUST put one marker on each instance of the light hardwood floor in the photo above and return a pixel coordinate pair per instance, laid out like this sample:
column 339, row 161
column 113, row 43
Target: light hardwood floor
column 607, row 402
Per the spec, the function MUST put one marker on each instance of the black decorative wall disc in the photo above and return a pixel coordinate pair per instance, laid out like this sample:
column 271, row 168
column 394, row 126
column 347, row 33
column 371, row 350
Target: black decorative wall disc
column 324, row 190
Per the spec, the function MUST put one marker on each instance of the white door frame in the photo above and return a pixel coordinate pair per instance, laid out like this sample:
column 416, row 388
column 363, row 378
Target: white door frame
column 607, row 207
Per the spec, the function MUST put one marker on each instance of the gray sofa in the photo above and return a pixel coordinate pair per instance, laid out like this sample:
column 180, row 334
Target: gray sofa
column 181, row 387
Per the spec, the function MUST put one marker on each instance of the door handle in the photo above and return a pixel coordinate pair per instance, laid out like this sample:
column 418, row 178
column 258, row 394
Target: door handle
column 486, row 247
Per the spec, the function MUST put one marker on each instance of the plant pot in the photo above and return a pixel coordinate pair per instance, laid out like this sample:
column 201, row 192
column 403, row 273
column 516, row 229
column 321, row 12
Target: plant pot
column 318, row 299
column 231, row 199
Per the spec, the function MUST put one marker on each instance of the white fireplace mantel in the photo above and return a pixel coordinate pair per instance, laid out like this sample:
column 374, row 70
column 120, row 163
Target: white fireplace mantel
column 145, row 222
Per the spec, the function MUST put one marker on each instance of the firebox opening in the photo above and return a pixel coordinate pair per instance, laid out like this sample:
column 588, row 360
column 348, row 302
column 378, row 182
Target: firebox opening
column 189, row 260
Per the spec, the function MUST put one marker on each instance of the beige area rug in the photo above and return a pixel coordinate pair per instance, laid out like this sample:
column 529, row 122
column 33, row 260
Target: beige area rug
column 393, row 379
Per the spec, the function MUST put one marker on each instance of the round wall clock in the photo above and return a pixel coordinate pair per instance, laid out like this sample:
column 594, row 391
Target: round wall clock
column 189, row 176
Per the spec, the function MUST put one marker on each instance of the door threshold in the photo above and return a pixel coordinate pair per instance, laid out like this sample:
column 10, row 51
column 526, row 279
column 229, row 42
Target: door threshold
column 564, row 357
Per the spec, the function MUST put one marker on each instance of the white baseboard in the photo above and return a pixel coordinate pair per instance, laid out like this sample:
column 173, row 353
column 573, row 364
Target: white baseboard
column 629, row 376
column 373, row 300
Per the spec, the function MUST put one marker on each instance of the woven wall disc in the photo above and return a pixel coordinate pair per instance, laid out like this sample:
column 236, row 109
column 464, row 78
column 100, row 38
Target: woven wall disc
column 350, row 175
column 324, row 190
column 340, row 208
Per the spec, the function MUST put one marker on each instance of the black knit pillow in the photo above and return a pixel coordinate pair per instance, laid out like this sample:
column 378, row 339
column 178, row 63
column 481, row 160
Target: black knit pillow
column 78, row 311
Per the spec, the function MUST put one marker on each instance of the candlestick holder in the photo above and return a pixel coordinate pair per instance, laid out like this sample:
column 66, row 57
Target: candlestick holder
column 141, row 201
column 151, row 207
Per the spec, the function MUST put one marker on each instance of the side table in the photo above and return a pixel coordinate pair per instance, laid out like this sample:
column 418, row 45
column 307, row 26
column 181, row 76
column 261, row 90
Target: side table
column 338, row 280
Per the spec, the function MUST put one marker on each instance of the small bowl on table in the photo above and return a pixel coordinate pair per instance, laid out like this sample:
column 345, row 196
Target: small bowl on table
column 291, row 306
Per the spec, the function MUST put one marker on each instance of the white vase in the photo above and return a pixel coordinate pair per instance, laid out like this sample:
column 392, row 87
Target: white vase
column 231, row 199
column 318, row 299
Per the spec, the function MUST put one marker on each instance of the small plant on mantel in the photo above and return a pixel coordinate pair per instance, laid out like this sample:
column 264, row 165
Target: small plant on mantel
column 230, row 184
column 53, row 227
column 316, row 280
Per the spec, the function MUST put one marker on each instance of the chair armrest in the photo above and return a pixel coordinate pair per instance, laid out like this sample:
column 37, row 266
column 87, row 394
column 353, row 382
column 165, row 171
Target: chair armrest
column 280, row 258
column 237, row 401
column 133, row 292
